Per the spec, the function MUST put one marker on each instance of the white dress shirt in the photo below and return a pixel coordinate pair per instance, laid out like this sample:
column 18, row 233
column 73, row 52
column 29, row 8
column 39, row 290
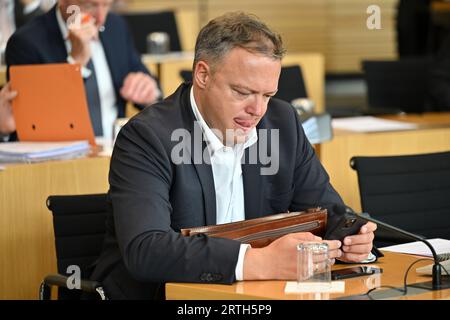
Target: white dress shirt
column 227, row 175
column 104, row 78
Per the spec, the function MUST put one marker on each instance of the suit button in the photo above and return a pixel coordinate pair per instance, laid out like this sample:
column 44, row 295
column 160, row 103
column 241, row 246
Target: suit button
column 206, row 277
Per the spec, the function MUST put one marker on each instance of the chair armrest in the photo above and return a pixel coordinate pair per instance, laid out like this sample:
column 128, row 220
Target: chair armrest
column 61, row 281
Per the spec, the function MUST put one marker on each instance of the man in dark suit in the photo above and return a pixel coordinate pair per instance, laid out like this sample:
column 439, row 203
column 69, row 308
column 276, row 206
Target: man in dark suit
column 84, row 32
column 178, row 165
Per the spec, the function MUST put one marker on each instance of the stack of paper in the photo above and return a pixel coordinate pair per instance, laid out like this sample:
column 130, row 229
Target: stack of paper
column 419, row 248
column 41, row 151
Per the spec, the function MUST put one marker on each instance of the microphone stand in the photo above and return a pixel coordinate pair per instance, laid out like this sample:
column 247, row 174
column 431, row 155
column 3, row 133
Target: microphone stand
column 437, row 283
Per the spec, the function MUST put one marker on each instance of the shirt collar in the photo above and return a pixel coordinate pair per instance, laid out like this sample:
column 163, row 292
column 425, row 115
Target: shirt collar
column 212, row 140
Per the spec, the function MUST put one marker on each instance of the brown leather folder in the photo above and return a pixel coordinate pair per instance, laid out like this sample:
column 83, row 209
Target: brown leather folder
column 260, row 232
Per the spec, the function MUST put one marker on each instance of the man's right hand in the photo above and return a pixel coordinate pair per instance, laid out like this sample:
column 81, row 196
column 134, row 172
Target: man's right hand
column 278, row 261
column 80, row 37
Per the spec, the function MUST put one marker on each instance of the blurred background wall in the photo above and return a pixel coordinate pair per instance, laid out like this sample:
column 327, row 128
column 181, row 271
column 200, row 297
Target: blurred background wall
column 335, row 28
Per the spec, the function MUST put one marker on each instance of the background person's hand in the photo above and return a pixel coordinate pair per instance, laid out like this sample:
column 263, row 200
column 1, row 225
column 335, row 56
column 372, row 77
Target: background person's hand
column 80, row 38
column 140, row 88
column 356, row 248
column 279, row 259
column 7, row 123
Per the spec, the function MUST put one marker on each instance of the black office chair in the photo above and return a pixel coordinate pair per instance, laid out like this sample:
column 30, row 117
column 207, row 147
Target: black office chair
column 186, row 75
column 79, row 226
column 141, row 24
column 397, row 86
column 291, row 84
column 410, row 192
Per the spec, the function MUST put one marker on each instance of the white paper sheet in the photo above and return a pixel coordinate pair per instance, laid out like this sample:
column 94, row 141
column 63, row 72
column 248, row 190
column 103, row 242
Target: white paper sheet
column 295, row 287
column 41, row 151
column 370, row 124
column 419, row 248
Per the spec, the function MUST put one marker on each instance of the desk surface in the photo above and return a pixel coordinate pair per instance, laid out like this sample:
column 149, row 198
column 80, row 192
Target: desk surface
column 394, row 267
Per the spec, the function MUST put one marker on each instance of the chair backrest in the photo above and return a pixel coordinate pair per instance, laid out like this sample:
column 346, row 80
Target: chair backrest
column 399, row 85
column 79, row 227
column 143, row 23
column 290, row 85
column 410, row 192
column 186, row 75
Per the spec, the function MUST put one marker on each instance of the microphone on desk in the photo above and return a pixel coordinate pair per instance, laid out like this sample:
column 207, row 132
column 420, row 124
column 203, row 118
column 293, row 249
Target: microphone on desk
column 437, row 283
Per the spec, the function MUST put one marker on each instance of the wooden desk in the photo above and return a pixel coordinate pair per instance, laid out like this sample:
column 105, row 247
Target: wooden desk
column 394, row 267
column 2, row 75
column 433, row 135
column 27, row 244
column 167, row 67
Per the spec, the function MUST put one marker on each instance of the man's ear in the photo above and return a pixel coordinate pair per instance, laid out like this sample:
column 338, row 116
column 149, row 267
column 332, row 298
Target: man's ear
column 202, row 74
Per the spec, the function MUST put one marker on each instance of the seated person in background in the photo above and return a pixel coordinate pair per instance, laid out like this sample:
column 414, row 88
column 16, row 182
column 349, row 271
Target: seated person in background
column 439, row 79
column 156, row 189
column 112, row 70
column 25, row 10
column 7, row 124
column 13, row 15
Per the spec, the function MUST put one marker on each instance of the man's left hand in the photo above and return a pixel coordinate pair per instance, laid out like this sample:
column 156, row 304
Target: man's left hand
column 140, row 88
column 356, row 248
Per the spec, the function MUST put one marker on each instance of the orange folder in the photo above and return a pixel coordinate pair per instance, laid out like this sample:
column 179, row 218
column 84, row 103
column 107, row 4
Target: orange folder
column 51, row 104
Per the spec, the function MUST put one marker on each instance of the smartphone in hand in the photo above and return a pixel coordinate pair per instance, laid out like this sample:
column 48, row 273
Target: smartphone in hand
column 347, row 224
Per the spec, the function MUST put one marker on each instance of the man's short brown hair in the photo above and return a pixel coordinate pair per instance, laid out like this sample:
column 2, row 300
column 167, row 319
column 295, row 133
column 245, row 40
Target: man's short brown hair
column 236, row 29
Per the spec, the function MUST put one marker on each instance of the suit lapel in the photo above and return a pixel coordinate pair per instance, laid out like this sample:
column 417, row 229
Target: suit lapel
column 253, row 184
column 204, row 170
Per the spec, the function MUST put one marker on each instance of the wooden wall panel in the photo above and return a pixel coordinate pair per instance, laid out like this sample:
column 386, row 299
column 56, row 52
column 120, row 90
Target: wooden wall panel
column 335, row 28
column 349, row 40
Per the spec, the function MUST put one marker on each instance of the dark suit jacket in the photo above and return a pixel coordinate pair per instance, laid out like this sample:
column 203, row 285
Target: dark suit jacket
column 40, row 41
column 152, row 199
column 439, row 79
column 21, row 18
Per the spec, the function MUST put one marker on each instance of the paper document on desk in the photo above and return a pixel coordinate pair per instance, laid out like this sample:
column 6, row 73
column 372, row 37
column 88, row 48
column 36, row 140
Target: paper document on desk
column 371, row 124
column 295, row 287
column 419, row 248
column 41, row 151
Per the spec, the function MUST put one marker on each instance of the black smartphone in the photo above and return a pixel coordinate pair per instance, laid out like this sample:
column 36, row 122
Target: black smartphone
column 354, row 272
column 347, row 224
